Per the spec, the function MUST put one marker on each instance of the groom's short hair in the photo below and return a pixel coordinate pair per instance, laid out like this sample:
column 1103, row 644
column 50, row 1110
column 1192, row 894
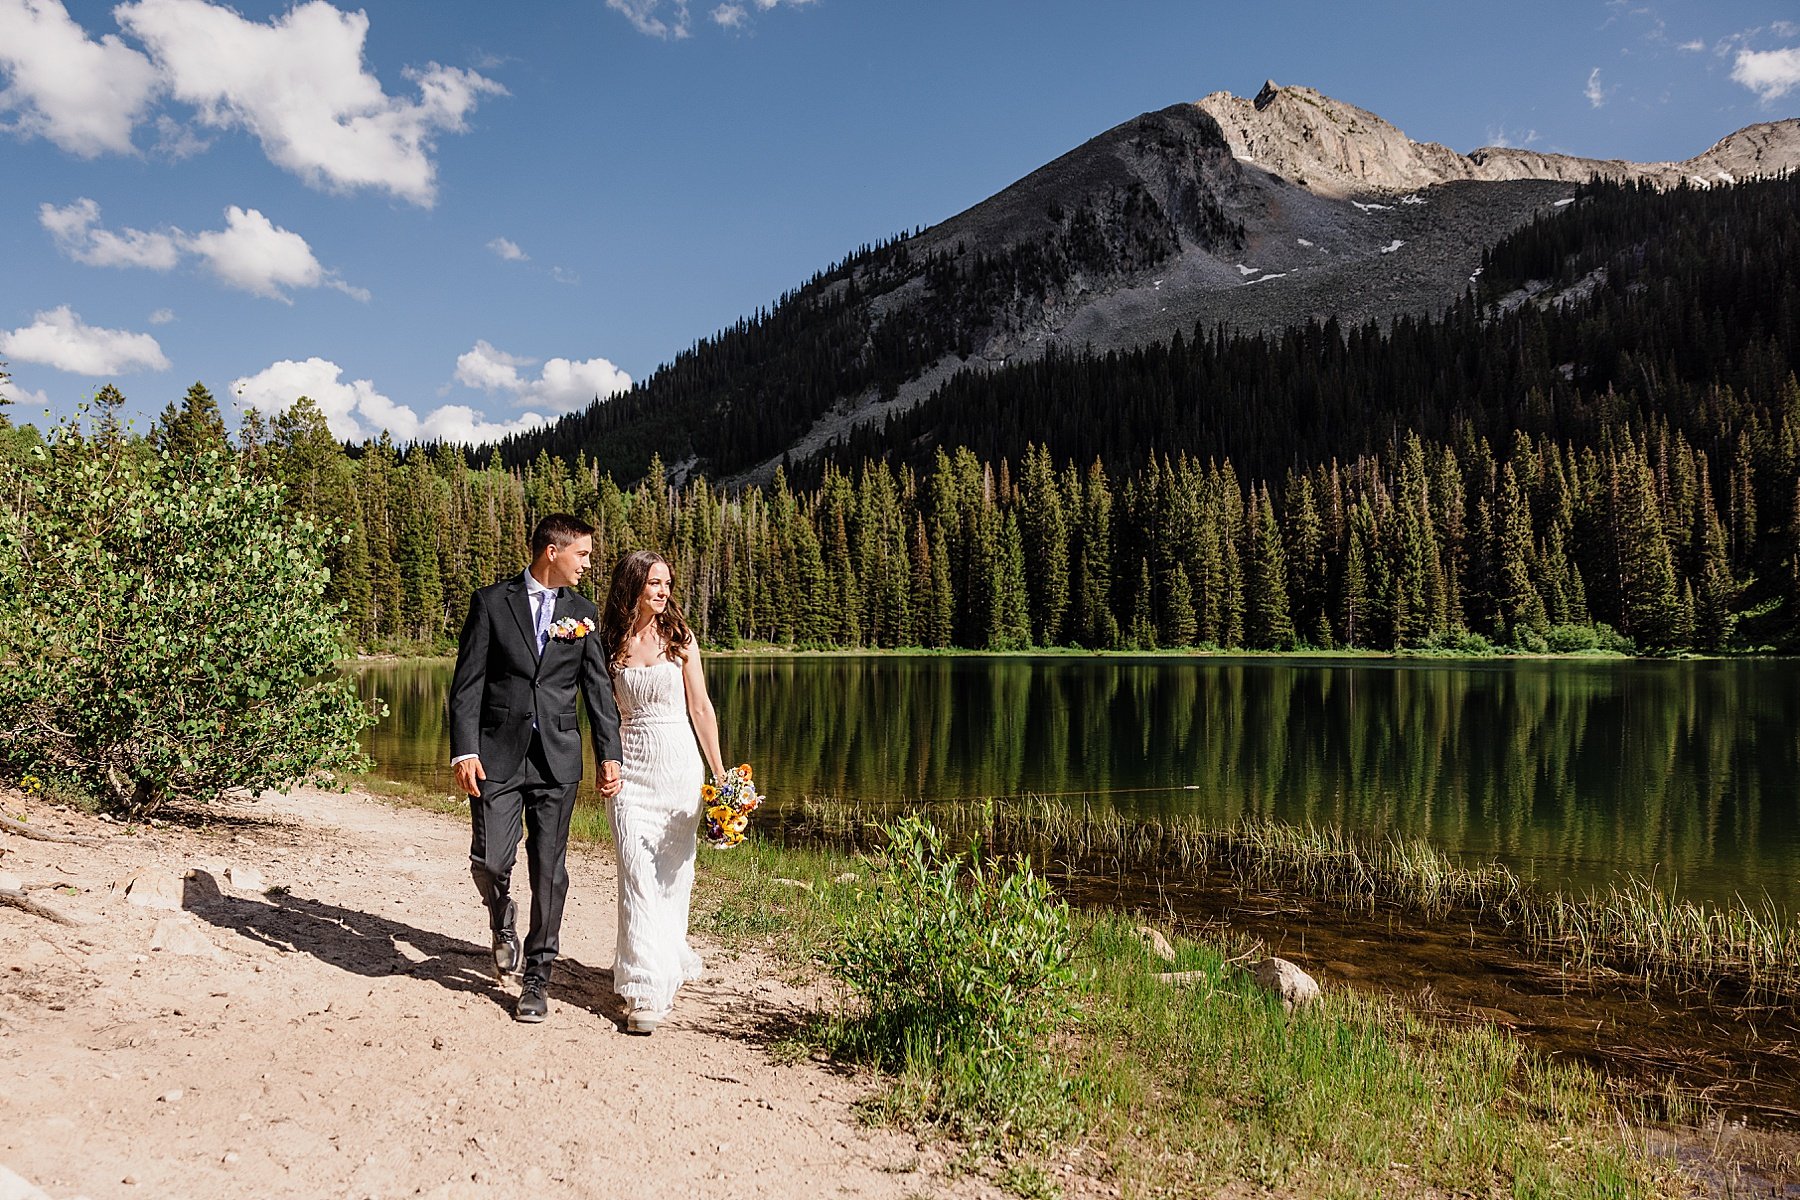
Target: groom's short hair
column 558, row 529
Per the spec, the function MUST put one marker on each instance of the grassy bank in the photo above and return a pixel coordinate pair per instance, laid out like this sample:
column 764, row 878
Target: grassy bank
column 1629, row 927
column 1186, row 1089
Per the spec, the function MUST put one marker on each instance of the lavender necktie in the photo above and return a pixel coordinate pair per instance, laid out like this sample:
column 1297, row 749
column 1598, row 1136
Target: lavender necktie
column 546, row 607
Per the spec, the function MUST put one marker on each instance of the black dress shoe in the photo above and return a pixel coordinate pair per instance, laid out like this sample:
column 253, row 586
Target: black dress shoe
column 509, row 956
column 533, row 1006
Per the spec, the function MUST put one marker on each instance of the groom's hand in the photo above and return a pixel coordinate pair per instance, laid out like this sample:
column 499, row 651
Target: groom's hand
column 469, row 776
column 610, row 782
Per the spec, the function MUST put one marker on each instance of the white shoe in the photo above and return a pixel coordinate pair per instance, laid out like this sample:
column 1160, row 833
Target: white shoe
column 642, row 1021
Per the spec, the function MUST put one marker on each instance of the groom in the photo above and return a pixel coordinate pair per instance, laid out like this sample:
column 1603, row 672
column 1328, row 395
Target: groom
column 529, row 644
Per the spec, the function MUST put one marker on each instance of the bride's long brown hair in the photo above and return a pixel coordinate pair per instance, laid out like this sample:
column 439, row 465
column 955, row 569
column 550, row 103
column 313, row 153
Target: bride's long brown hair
column 621, row 608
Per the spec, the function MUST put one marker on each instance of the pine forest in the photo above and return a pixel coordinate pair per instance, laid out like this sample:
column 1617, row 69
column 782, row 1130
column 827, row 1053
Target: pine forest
column 1599, row 447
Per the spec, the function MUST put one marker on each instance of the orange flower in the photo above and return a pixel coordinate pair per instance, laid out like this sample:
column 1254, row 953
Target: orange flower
column 745, row 769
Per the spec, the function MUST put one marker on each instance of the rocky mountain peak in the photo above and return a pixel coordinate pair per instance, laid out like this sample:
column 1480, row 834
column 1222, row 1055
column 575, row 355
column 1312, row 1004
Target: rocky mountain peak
column 1335, row 149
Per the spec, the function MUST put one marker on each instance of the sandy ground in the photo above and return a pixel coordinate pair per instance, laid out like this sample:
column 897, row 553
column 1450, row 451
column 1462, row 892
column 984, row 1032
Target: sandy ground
column 344, row 1038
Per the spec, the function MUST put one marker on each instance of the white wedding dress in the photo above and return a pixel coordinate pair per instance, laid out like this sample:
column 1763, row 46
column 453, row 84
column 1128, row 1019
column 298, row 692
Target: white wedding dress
column 654, row 819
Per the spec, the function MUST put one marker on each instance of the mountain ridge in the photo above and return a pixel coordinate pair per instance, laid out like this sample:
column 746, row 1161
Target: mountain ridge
column 1264, row 213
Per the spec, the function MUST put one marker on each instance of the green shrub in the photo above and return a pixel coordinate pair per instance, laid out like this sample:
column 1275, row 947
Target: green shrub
column 164, row 632
column 1462, row 642
column 1574, row 639
column 955, row 954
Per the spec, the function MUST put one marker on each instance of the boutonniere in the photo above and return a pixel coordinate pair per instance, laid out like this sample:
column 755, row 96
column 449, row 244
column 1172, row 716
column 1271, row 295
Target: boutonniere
column 571, row 629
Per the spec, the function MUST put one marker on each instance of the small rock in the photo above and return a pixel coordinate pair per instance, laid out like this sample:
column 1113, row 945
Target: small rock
column 243, row 878
column 10, row 883
column 410, row 852
column 177, row 935
column 171, row 1096
column 1156, row 943
column 231, row 1156
column 1295, row 987
column 804, row 885
column 154, row 887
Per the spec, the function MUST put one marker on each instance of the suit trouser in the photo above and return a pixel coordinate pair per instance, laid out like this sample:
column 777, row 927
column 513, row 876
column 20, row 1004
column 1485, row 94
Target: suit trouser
column 545, row 808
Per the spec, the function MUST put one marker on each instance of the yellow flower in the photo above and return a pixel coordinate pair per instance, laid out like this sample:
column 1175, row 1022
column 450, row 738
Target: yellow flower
column 708, row 791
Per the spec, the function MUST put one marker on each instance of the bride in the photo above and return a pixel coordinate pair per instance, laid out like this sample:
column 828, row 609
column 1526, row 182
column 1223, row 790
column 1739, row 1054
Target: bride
column 663, row 705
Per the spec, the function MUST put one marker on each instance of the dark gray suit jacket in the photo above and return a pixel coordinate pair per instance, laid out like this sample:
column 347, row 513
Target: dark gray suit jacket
column 501, row 686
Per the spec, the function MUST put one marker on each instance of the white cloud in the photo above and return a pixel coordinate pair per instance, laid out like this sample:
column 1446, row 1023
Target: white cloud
column 75, row 227
column 177, row 141
column 60, row 338
column 564, row 275
column 356, row 410
column 22, row 398
column 1693, row 47
column 734, row 14
column 1503, row 138
column 563, row 385
column 162, row 316
column 299, row 84
column 1771, row 74
column 508, row 249
column 1594, row 92
column 254, row 255
column 83, row 95
column 251, row 254
column 643, row 18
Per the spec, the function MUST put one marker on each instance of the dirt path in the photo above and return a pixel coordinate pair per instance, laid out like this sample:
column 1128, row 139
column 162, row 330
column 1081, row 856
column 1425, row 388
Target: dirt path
column 344, row 1038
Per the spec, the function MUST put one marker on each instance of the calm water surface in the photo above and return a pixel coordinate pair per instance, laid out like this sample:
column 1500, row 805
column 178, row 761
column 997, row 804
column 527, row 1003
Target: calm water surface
column 1572, row 772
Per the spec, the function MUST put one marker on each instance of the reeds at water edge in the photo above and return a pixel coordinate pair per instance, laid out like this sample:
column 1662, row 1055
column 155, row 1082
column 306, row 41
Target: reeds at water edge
column 1631, row 928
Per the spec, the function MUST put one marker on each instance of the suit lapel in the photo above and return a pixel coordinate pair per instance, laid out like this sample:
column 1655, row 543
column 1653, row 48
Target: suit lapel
column 520, row 603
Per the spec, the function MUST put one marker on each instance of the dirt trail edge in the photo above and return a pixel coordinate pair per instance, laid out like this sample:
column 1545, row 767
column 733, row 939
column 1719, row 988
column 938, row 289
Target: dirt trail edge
column 294, row 1000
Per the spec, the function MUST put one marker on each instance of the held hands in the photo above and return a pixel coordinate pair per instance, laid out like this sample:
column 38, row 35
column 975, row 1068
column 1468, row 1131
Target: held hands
column 610, row 780
column 469, row 776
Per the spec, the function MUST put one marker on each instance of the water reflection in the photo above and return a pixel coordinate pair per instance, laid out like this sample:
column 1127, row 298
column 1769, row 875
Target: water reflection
column 1570, row 772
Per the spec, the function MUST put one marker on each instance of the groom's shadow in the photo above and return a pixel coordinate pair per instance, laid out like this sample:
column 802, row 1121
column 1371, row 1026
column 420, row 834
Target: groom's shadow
column 370, row 945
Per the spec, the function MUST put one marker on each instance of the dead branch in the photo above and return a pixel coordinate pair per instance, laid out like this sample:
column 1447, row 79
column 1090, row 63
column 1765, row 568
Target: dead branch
column 24, row 903
column 44, row 835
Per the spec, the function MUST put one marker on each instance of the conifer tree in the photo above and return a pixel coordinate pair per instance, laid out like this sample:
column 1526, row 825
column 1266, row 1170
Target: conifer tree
column 1180, row 628
column 1044, row 529
column 1267, row 621
column 193, row 429
column 1011, row 628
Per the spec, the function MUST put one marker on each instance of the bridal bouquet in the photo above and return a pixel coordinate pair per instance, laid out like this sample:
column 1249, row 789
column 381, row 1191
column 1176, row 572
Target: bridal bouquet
column 728, row 802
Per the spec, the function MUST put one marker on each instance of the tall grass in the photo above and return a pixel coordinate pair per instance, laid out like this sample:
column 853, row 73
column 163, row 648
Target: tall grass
column 1629, row 927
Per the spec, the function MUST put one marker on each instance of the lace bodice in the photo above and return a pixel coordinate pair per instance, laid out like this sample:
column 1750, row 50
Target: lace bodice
column 650, row 694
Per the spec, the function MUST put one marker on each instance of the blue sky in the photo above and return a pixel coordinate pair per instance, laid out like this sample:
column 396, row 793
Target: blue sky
column 453, row 218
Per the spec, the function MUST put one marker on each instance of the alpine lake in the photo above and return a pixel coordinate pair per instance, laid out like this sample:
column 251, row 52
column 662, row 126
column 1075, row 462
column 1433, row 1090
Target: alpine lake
column 1577, row 774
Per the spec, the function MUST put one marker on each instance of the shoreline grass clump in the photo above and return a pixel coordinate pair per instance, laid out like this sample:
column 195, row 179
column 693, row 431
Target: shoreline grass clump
column 958, row 967
column 1628, row 927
